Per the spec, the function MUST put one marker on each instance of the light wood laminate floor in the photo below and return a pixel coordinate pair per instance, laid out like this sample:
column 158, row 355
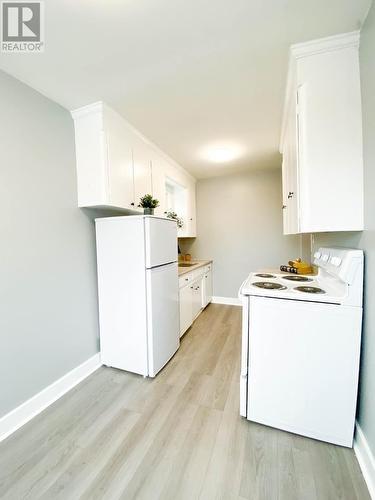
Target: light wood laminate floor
column 178, row 436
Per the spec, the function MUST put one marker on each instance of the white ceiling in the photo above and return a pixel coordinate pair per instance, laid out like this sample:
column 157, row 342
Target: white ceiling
column 188, row 74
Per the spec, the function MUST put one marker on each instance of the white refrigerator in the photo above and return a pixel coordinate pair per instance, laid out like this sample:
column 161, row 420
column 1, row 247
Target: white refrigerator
column 138, row 292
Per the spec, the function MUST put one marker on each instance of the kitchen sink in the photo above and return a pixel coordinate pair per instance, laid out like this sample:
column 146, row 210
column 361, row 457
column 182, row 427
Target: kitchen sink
column 186, row 264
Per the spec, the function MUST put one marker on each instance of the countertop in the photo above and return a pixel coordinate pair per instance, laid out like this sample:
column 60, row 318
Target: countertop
column 197, row 264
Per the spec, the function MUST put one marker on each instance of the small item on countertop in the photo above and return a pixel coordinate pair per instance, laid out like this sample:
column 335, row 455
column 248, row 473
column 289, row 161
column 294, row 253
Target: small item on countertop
column 288, row 269
column 295, row 270
column 298, row 264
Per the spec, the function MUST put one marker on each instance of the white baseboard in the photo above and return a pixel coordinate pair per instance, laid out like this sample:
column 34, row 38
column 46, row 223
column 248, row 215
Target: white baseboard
column 30, row 408
column 230, row 301
column 366, row 459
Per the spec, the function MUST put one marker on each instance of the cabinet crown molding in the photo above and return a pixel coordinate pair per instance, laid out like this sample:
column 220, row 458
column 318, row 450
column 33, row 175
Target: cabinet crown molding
column 335, row 42
column 95, row 107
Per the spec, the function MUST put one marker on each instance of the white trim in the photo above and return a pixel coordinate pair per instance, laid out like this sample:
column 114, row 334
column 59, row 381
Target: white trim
column 365, row 459
column 15, row 419
column 335, row 42
column 230, row 301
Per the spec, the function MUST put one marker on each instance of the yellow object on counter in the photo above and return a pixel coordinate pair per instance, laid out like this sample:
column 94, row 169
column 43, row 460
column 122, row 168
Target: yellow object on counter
column 299, row 264
column 305, row 270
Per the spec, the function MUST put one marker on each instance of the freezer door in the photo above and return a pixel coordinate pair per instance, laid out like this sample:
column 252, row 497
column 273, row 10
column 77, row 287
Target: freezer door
column 160, row 241
column 163, row 321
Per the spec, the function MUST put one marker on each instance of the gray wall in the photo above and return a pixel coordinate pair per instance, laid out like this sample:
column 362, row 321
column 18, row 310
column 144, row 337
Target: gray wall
column 365, row 240
column 48, row 305
column 240, row 227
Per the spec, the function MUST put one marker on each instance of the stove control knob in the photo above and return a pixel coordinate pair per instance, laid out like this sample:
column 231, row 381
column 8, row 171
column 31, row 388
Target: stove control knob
column 317, row 255
column 325, row 257
column 335, row 261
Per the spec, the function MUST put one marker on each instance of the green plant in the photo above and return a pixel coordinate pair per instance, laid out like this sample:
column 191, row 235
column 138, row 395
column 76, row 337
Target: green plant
column 174, row 216
column 147, row 201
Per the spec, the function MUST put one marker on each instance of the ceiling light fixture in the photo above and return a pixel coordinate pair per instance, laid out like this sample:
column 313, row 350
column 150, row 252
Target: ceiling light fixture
column 222, row 154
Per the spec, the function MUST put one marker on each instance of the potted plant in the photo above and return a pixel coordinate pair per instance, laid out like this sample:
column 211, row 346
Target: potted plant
column 148, row 203
column 174, row 216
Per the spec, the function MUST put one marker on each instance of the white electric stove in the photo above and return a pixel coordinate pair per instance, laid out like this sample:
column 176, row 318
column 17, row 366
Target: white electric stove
column 301, row 339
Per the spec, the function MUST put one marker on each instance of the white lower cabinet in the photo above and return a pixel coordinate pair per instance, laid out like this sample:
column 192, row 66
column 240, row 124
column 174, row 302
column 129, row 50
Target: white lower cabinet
column 195, row 295
column 207, row 288
column 186, row 308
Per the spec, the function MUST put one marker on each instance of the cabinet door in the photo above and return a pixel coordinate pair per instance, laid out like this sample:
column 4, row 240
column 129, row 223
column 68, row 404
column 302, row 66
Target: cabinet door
column 290, row 173
column 197, row 298
column 207, row 289
column 330, row 139
column 142, row 169
column 186, row 308
column 158, row 183
column 120, row 168
column 191, row 224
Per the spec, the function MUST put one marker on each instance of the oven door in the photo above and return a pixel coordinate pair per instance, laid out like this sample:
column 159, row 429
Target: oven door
column 303, row 367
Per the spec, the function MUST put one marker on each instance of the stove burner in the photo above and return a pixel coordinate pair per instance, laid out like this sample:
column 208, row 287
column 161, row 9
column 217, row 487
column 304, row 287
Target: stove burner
column 268, row 285
column 309, row 289
column 296, row 278
column 265, row 275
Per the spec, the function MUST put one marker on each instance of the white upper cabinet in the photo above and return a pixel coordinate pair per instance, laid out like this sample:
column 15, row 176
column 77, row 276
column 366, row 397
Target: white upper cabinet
column 116, row 166
column 104, row 159
column 321, row 140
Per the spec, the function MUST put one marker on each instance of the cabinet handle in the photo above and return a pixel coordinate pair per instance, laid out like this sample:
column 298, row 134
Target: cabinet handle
column 192, row 287
column 132, row 204
column 186, row 279
column 197, row 288
column 283, row 207
column 290, row 195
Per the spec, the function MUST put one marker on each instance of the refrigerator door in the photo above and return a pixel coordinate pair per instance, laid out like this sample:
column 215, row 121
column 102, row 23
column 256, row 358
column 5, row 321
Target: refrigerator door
column 160, row 241
column 162, row 316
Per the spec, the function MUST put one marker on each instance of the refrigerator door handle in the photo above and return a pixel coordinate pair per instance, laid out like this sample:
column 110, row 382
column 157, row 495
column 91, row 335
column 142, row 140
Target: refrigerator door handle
column 163, row 265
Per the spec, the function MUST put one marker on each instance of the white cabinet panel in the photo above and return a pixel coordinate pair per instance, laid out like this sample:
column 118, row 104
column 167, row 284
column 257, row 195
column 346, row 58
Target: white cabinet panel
column 119, row 163
column 91, row 157
column 186, row 308
column 197, row 297
column 322, row 138
column 207, row 289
